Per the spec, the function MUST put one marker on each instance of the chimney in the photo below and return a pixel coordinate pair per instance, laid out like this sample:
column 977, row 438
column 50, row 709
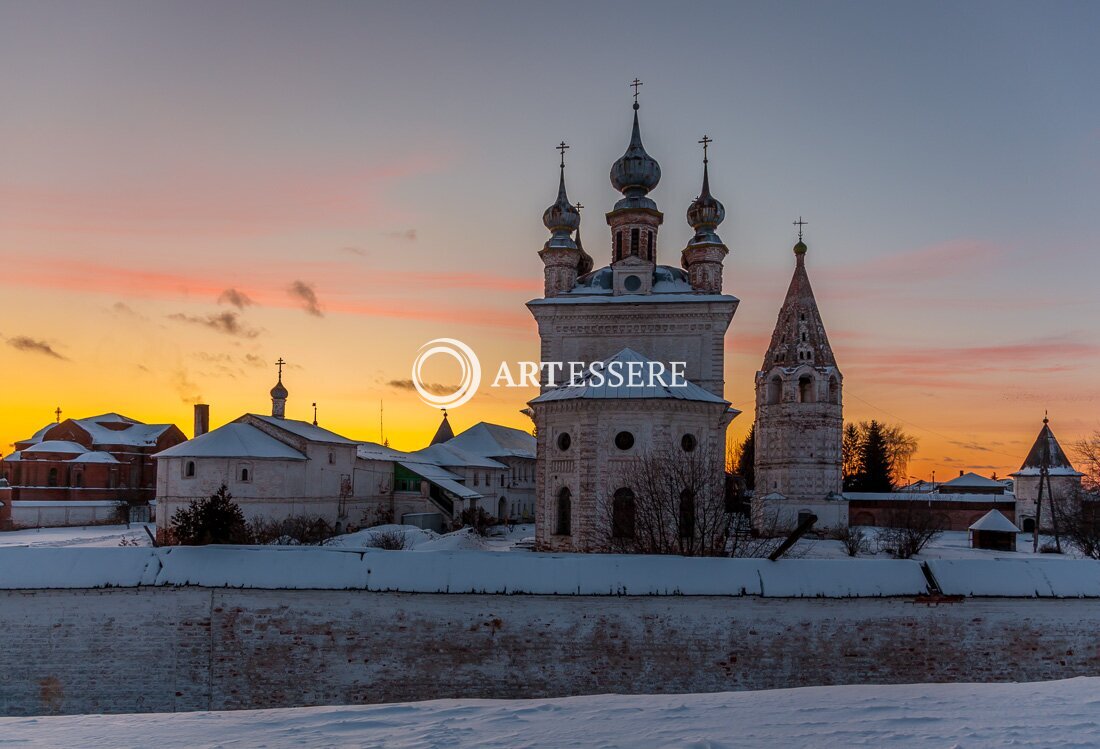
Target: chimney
column 202, row 419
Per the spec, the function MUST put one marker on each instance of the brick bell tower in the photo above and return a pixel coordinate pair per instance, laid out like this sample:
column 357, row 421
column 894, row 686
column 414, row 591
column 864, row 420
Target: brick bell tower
column 799, row 415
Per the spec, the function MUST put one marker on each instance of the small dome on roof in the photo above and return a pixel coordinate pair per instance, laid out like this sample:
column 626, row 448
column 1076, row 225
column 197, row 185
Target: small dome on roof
column 636, row 172
column 705, row 213
column 800, row 248
column 279, row 391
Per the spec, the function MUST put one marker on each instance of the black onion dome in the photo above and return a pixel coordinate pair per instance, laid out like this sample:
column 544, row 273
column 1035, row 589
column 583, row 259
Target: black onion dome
column 705, row 213
column 562, row 216
column 636, row 172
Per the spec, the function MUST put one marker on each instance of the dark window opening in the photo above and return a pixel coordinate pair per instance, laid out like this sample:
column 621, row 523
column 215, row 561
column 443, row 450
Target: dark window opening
column 564, row 441
column 624, row 440
column 244, row 474
column 634, row 238
column 687, row 514
column 52, row 480
column 805, row 389
column 618, row 245
column 688, row 442
column 565, row 512
column 652, row 245
column 622, row 514
column 189, row 470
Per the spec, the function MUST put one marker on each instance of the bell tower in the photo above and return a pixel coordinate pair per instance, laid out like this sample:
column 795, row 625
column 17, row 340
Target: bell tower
column 634, row 220
column 799, row 415
column 560, row 255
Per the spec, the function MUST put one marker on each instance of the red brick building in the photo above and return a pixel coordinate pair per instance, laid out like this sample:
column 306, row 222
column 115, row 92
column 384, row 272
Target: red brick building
column 86, row 462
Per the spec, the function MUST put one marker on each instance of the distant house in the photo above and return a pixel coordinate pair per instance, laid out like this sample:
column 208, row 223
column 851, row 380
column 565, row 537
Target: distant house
column 274, row 468
column 971, row 483
column 77, row 471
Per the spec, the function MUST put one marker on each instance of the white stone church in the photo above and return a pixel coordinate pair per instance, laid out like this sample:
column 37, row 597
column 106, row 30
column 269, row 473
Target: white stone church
column 632, row 311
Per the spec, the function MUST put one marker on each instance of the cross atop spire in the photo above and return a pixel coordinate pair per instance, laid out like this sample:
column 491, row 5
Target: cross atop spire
column 635, row 84
column 57, row 413
column 800, row 223
column 706, row 142
column 562, row 147
column 280, row 364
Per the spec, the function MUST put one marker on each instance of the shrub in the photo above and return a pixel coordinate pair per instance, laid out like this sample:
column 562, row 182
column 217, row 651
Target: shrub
column 478, row 519
column 299, row 530
column 854, row 540
column 216, row 519
column 388, row 540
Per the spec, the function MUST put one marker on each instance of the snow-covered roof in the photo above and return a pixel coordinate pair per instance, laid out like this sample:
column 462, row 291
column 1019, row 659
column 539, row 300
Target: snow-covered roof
column 630, row 299
column 994, row 521
column 1046, row 451
column 305, row 430
column 972, row 480
column 57, row 446
column 132, row 433
column 374, row 451
column 233, row 440
column 495, row 441
column 14, row 456
column 441, row 477
column 445, row 455
column 95, row 456
column 927, row 497
column 590, row 388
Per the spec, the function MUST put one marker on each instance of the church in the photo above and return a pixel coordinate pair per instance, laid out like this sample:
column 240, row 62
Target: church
column 632, row 311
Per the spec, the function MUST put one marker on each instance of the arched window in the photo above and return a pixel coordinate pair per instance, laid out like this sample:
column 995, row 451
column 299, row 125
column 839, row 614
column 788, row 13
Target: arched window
column 687, row 514
column 78, row 479
column 652, row 245
column 52, row 480
column 775, row 390
column 619, row 245
column 634, row 240
column 189, row 469
column 565, row 513
column 805, row 389
column 834, row 390
column 622, row 514
column 1029, row 525
column 246, row 475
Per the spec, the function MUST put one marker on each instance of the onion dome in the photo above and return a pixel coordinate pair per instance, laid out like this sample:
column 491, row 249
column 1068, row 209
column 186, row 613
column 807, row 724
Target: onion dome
column 705, row 213
column 585, row 264
column 636, row 172
column 279, row 392
column 800, row 248
column 562, row 217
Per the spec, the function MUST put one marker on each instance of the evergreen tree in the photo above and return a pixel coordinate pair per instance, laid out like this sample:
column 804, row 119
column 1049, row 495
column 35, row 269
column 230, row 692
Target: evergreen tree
column 216, row 519
column 875, row 469
column 746, row 460
column 851, row 450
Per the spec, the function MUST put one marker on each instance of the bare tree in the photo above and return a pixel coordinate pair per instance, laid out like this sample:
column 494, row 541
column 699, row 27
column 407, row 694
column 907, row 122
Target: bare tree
column 909, row 527
column 389, row 540
column 1078, row 518
column 668, row 500
column 1088, row 460
column 854, row 539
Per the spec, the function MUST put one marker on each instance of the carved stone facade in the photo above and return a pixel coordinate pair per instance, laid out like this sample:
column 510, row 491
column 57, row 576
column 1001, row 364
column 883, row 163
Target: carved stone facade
column 799, row 417
column 633, row 309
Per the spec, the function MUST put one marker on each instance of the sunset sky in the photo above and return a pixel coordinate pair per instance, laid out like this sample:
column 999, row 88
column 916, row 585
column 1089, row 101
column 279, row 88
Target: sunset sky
column 190, row 190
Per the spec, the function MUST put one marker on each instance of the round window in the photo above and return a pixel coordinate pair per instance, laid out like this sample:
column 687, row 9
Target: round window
column 624, row 440
column 632, row 283
column 564, row 441
column 688, row 442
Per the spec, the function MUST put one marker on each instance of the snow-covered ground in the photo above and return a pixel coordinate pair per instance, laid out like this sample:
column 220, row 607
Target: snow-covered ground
column 1054, row 713
column 948, row 545
column 92, row 535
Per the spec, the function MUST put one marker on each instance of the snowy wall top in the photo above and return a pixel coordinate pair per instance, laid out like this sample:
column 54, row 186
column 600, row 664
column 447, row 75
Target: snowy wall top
column 315, row 568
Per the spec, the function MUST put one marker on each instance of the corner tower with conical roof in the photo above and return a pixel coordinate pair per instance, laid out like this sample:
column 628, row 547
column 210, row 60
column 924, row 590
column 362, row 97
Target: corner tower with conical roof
column 799, row 416
column 1046, row 464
